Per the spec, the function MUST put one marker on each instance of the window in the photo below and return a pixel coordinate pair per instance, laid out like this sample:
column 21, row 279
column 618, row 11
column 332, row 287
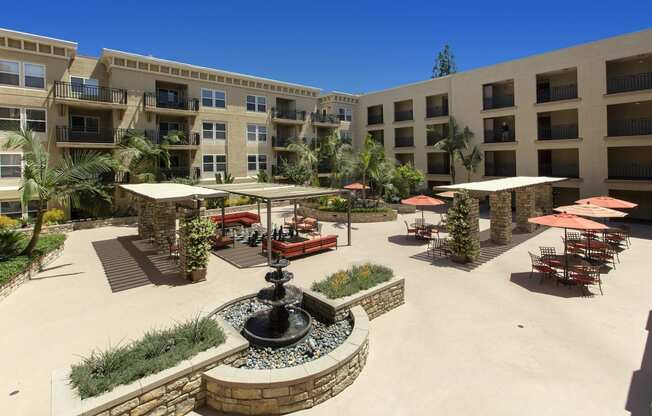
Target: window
column 256, row 133
column 12, row 119
column 256, row 163
column 345, row 135
column 34, row 75
column 213, row 131
column 167, row 127
column 213, row 98
column 256, row 103
column 345, row 114
column 9, row 118
column 35, row 120
column 9, row 73
column 10, row 165
column 85, row 86
column 214, row 163
column 11, row 209
column 85, row 124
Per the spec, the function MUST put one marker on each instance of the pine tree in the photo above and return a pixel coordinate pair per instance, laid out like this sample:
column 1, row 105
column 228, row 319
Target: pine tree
column 444, row 63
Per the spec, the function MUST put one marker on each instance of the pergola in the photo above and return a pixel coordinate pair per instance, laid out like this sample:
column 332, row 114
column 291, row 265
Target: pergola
column 270, row 192
column 533, row 195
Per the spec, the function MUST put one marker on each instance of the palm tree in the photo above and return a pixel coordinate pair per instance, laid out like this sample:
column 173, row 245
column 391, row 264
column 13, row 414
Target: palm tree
column 142, row 158
column 382, row 176
column 306, row 155
column 61, row 182
column 338, row 154
column 369, row 159
column 471, row 161
column 457, row 141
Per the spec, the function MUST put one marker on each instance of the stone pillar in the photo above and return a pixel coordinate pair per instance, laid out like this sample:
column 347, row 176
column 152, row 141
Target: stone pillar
column 145, row 218
column 544, row 198
column 163, row 225
column 525, row 208
column 195, row 208
column 474, row 218
column 500, row 204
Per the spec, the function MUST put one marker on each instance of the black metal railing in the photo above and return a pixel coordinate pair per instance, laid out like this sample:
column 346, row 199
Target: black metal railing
column 405, row 115
column 65, row 134
column 432, row 138
column 324, row 118
column 436, row 111
column 378, row 138
column 500, row 169
column 499, row 136
column 324, row 166
column 558, row 132
column 186, row 138
column 498, row 101
column 571, row 170
column 557, row 93
column 89, row 93
column 277, row 170
column 630, row 127
column 439, row 168
column 375, row 119
column 633, row 82
column 286, row 141
column 406, row 141
column 151, row 100
column 179, row 172
column 288, row 114
column 632, row 171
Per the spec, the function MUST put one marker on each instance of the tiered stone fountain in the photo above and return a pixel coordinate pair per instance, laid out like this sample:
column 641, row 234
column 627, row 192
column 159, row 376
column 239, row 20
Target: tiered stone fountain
column 285, row 323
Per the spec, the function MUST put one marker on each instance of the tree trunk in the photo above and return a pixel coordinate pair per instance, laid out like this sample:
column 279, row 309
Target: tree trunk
column 364, row 189
column 36, row 233
column 452, row 163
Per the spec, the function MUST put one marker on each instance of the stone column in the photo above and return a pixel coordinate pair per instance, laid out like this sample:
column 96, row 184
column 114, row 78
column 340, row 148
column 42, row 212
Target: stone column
column 163, row 225
column 500, row 204
column 525, row 208
column 544, row 198
column 194, row 208
column 474, row 218
column 145, row 217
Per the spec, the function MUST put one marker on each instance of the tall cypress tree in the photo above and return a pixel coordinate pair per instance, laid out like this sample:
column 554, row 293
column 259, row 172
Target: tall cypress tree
column 444, row 63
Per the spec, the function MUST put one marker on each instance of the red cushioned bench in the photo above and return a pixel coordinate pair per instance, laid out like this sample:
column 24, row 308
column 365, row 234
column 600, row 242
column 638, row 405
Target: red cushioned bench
column 242, row 218
column 314, row 245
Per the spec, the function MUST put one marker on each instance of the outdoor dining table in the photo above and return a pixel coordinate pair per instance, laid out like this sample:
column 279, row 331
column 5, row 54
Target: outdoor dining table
column 566, row 262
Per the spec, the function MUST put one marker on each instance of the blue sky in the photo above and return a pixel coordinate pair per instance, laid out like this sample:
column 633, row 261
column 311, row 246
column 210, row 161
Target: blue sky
column 352, row 46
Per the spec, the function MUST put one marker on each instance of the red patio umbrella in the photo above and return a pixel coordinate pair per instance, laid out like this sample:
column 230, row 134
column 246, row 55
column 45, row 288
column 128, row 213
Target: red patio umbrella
column 356, row 186
column 607, row 202
column 422, row 201
column 566, row 221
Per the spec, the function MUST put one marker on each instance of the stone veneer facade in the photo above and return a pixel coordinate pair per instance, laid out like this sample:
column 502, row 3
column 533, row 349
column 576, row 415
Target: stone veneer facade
column 525, row 208
column 500, row 204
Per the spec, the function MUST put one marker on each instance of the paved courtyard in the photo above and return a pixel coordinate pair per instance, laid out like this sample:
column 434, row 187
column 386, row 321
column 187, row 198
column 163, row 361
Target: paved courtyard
column 489, row 341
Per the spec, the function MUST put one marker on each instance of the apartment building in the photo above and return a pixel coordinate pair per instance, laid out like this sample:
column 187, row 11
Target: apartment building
column 583, row 112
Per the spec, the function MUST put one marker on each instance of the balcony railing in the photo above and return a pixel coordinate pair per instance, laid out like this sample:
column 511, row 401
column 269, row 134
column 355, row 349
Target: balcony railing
column 498, row 101
column 433, row 138
column 89, row 93
column 439, row 169
column 324, row 166
column 557, row 93
column 566, row 171
column 631, row 171
column 630, row 127
column 179, row 172
column 65, row 134
column 499, row 136
column 153, row 101
column 633, row 82
column 324, row 118
column 375, row 119
column 500, row 169
column 403, row 115
column 435, row 111
column 380, row 139
column 558, row 132
column 186, row 138
column 286, row 141
column 288, row 114
column 404, row 142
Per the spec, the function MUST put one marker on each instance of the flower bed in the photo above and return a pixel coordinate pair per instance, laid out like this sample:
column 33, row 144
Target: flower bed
column 362, row 215
column 357, row 278
column 17, row 265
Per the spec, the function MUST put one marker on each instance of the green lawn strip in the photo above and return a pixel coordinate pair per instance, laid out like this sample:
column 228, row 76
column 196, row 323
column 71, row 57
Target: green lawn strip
column 156, row 351
column 15, row 265
column 357, row 278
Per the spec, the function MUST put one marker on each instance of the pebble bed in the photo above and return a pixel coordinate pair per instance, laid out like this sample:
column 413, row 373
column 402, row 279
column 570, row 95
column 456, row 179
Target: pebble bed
column 321, row 340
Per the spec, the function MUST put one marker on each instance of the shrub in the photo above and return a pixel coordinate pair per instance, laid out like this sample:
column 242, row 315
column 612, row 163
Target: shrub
column 406, row 179
column 237, row 201
column 53, row 216
column 10, row 242
column 463, row 244
column 357, row 278
column 12, row 266
column 103, row 370
column 8, row 222
column 223, row 177
column 198, row 232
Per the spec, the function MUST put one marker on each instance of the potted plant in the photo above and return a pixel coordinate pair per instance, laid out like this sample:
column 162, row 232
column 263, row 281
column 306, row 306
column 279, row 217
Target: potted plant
column 463, row 245
column 198, row 232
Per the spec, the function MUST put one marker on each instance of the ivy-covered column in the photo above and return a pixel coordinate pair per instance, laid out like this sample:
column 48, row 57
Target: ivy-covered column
column 195, row 232
column 464, row 228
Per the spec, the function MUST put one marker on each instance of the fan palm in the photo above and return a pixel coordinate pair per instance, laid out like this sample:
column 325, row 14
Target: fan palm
column 61, row 182
column 142, row 158
column 307, row 157
column 338, row 154
column 457, row 141
column 471, row 161
column 369, row 159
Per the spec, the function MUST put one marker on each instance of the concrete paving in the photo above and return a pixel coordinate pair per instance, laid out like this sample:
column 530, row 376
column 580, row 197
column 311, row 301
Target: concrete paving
column 489, row 341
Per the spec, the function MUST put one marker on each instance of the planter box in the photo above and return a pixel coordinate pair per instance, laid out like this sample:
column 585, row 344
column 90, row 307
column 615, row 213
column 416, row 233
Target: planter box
column 356, row 217
column 37, row 265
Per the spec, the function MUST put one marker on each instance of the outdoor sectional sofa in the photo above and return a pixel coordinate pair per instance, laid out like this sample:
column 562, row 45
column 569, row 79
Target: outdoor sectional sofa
column 237, row 218
column 288, row 250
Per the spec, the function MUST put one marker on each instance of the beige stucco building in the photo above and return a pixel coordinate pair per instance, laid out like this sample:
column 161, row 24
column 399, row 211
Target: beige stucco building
column 583, row 112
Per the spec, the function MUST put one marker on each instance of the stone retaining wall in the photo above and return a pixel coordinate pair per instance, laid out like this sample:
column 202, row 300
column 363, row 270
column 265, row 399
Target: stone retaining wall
column 269, row 392
column 375, row 301
column 14, row 283
column 356, row 217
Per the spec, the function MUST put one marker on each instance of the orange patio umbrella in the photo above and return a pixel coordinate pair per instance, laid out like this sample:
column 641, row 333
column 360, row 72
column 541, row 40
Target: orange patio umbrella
column 356, row 186
column 592, row 211
column 447, row 194
column 422, row 201
column 607, row 202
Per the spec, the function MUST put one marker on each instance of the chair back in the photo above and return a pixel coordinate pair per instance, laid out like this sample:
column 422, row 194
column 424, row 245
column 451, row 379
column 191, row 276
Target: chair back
column 536, row 260
column 548, row 251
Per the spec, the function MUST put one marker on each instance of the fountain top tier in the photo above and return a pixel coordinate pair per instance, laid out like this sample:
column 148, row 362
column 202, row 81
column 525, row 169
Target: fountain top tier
column 279, row 294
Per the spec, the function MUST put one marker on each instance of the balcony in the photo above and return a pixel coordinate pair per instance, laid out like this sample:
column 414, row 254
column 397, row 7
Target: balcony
column 436, row 111
column 155, row 103
column 499, row 136
column 67, row 137
column 94, row 95
column 630, row 163
column 630, row 127
column 633, row 82
column 432, row 138
column 281, row 115
column 561, row 163
column 189, row 139
column 325, row 120
column 568, row 171
column 558, row 132
column 498, row 101
column 557, row 93
column 324, row 166
column 377, row 136
column 284, row 142
column 407, row 141
column 375, row 119
column 179, row 172
column 438, row 164
column 506, row 169
column 631, row 171
column 405, row 115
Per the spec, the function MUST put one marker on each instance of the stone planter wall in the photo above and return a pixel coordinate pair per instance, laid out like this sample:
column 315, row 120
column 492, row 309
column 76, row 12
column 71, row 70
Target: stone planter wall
column 375, row 301
column 175, row 391
column 270, row 392
column 403, row 209
column 10, row 286
column 356, row 217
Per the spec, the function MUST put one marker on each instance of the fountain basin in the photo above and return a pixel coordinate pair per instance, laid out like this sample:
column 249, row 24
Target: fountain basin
column 277, row 327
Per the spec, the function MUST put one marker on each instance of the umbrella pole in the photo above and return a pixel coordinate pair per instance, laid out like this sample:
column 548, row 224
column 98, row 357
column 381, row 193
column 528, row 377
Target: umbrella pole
column 565, row 254
column 423, row 218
